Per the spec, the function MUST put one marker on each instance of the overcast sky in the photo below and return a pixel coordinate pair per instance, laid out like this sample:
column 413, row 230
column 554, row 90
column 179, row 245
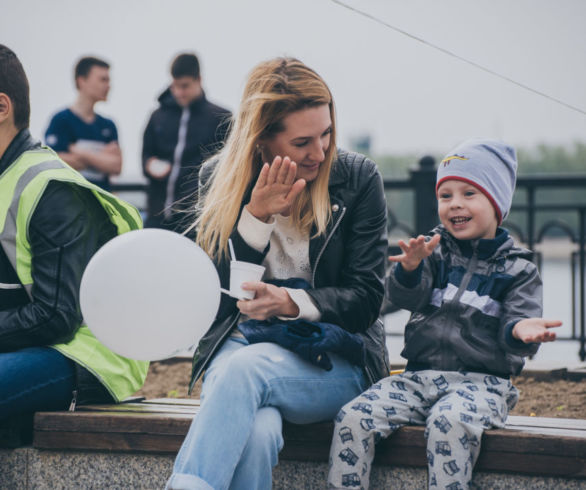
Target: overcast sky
column 406, row 95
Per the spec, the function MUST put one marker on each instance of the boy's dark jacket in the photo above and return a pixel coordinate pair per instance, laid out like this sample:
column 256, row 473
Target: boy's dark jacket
column 465, row 299
column 348, row 264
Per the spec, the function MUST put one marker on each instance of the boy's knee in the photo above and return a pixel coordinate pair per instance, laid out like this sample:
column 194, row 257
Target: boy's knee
column 456, row 426
column 348, row 416
column 443, row 424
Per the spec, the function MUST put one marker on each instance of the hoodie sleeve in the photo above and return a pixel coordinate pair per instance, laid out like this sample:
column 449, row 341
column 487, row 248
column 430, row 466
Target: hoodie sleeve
column 148, row 145
column 411, row 290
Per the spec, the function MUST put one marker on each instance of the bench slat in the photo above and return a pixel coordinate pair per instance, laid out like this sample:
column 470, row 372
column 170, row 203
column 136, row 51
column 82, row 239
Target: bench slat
column 112, row 423
column 116, row 423
column 549, row 431
column 174, row 401
column 181, row 405
column 140, row 408
column 558, row 423
column 127, row 442
column 538, row 425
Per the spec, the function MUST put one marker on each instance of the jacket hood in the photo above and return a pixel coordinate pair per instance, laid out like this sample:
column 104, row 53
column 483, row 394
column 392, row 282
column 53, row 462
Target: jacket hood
column 501, row 246
column 167, row 100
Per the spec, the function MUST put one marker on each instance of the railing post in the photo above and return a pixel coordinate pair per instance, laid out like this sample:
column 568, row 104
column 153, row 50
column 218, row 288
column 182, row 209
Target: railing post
column 582, row 286
column 423, row 180
column 531, row 217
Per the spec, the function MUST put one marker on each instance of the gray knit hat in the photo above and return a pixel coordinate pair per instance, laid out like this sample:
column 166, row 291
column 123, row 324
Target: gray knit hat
column 489, row 165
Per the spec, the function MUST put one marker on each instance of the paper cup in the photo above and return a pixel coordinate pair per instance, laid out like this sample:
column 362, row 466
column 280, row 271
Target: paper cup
column 243, row 272
column 159, row 168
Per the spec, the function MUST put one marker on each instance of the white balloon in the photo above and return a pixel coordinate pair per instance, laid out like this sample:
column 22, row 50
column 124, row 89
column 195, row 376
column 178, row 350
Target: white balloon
column 149, row 294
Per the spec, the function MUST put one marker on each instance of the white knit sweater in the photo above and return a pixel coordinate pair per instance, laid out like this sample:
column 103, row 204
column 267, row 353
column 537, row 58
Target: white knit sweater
column 288, row 255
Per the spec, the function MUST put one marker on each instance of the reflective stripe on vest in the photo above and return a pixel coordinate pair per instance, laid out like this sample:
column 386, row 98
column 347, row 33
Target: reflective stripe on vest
column 21, row 187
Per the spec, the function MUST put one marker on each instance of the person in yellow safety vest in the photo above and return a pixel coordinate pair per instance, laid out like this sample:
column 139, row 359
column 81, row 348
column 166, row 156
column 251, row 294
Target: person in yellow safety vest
column 52, row 221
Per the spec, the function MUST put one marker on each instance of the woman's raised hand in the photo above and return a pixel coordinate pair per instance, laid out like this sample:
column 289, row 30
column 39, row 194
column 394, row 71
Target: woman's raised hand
column 275, row 190
column 415, row 251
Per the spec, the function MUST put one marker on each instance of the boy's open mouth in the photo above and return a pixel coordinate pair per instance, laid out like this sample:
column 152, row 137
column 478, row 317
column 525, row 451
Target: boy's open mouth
column 460, row 220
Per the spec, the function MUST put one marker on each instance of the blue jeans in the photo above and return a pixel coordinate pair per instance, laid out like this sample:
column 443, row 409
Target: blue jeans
column 35, row 378
column 235, row 438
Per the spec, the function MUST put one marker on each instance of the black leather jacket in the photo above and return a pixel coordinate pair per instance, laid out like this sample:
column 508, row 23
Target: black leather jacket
column 66, row 229
column 348, row 264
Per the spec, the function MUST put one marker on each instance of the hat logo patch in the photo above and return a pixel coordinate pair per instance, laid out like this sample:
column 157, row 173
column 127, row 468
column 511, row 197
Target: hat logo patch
column 446, row 161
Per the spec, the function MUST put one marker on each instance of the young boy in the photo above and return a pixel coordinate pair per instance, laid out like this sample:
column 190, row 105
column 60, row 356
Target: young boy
column 475, row 300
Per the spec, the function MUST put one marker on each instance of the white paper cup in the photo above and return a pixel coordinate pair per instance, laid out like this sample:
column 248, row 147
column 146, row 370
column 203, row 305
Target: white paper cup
column 243, row 272
column 159, row 168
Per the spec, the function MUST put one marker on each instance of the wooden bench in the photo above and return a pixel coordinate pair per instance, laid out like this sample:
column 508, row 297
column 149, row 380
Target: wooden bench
column 528, row 445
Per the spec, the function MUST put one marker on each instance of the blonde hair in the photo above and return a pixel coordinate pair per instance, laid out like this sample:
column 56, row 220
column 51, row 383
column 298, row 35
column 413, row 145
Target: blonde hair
column 274, row 89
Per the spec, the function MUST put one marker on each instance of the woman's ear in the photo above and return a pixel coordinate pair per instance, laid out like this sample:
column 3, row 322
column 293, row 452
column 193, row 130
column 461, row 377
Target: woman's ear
column 262, row 150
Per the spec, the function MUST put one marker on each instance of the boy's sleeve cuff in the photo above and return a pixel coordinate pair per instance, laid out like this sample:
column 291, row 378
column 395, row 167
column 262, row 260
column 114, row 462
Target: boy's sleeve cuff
column 408, row 279
column 307, row 309
column 512, row 341
column 254, row 232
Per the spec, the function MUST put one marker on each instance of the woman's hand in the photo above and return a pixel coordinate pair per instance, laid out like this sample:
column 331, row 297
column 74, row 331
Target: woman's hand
column 535, row 330
column 415, row 251
column 275, row 190
column 269, row 300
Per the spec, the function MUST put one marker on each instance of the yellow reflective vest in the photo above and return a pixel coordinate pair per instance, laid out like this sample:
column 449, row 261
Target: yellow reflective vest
column 21, row 187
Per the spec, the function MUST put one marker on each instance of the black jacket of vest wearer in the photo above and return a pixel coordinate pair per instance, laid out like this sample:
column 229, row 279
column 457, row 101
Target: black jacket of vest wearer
column 206, row 130
column 348, row 264
column 67, row 227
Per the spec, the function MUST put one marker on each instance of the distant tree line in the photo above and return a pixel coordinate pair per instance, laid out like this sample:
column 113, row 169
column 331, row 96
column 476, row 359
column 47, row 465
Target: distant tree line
column 541, row 159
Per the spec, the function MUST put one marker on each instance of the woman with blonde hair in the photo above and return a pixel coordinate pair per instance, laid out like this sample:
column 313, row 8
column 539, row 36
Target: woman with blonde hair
column 315, row 217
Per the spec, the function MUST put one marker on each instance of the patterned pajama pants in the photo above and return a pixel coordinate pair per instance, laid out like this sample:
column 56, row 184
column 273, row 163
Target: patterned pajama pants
column 455, row 407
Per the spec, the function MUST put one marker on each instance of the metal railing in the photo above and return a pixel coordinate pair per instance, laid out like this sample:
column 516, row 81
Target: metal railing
column 526, row 227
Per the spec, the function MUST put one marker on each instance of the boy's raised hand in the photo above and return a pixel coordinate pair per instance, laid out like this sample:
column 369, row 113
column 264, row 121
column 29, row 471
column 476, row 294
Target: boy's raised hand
column 535, row 330
column 415, row 251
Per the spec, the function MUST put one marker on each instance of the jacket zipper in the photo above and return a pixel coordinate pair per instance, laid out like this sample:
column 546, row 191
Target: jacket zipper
column 4, row 285
column 73, row 401
column 336, row 224
column 371, row 379
column 465, row 280
column 467, row 276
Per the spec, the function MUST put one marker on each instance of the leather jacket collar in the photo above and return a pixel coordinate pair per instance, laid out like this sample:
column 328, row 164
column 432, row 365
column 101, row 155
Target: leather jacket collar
column 22, row 142
column 338, row 173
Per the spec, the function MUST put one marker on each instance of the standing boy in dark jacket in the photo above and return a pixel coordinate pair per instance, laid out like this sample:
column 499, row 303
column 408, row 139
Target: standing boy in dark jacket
column 180, row 134
column 476, row 301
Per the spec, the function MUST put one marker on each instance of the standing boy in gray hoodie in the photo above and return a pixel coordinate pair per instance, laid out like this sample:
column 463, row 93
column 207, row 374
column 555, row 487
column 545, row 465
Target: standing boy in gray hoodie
column 476, row 303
